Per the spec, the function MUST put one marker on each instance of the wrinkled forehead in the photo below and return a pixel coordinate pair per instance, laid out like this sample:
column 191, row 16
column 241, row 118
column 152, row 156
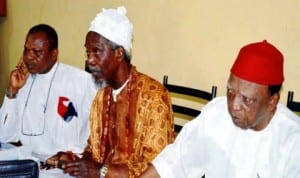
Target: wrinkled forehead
column 246, row 88
column 95, row 39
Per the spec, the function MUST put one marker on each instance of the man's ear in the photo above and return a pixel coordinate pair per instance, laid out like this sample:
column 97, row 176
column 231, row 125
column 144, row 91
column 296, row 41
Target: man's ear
column 119, row 53
column 54, row 54
column 274, row 99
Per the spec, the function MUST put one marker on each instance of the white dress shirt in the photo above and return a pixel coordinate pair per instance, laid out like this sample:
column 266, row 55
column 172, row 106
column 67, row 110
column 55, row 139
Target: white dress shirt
column 47, row 132
column 212, row 145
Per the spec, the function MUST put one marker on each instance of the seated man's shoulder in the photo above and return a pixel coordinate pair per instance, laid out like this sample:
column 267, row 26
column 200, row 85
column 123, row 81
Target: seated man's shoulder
column 73, row 71
column 217, row 106
column 146, row 81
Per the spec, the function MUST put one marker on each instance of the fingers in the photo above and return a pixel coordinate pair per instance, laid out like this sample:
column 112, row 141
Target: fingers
column 71, row 164
column 71, row 156
column 52, row 160
column 72, row 168
column 81, row 168
column 17, row 79
column 21, row 66
column 23, row 74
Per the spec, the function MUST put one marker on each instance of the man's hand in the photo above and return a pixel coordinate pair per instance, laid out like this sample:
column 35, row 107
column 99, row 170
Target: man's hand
column 18, row 78
column 57, row 160
column 82, row 168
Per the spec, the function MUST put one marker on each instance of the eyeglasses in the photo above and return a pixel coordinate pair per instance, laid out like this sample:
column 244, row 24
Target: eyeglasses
column 43, row 117
column 40, row 130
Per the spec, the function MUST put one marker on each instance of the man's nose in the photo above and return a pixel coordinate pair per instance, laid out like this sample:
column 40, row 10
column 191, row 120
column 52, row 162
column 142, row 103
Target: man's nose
column 237, row 103
column 91, row 59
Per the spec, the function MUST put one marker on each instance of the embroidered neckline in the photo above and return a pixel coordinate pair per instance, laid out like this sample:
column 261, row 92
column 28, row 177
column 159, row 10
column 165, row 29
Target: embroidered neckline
column 106, row 120
column 116, row 92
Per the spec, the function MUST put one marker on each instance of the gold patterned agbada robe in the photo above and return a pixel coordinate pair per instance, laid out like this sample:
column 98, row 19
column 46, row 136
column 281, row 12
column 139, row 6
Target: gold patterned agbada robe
column 135, row 128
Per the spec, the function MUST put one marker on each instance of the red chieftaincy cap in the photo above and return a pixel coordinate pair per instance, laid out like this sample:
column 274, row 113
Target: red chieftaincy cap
column 261, row 63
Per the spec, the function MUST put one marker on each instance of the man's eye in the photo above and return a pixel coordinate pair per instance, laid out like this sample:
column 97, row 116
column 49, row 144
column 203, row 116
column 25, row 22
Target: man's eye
column 229, row 91
column 38, row 52
column 98, row 51
column 247, row 100
column 95, row 52
column 230, row 94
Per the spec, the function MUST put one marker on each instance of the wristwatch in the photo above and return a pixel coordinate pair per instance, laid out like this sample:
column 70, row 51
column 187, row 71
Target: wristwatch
column 103, row 171
column 10, row 94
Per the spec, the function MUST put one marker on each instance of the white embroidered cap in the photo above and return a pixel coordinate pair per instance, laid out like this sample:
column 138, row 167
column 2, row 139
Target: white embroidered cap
column 114, row 25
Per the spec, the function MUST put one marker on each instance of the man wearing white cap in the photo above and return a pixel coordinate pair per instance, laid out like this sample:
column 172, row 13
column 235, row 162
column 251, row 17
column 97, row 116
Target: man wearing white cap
column 247, row 134
column 131, row 118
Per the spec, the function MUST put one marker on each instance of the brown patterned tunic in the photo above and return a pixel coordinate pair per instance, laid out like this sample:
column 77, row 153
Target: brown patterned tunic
column 135, row 128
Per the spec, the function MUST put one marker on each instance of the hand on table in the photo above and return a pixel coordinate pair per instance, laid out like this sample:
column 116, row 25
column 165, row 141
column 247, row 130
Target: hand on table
column 82, row 168
column 57, row 160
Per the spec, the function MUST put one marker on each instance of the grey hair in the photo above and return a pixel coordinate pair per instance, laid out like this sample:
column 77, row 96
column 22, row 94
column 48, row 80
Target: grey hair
column 114, row 46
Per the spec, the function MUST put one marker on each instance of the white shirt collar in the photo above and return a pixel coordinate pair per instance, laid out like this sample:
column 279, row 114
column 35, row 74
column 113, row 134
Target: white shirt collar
column 118, row 91
column 47, row 75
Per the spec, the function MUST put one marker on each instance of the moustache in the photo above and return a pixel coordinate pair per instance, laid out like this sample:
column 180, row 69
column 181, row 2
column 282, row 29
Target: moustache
column 93, row 69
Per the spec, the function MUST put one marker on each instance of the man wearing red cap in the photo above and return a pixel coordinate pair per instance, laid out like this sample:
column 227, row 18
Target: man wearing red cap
column 247, row 134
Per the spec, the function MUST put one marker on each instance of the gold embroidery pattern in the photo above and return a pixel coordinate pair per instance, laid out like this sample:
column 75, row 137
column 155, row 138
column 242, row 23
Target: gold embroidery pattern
column 150, row 124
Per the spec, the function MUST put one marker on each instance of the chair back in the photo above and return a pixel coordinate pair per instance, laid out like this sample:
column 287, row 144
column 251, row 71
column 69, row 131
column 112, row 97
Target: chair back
column 291, row 104
column 19, row 169
column 184, row 110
